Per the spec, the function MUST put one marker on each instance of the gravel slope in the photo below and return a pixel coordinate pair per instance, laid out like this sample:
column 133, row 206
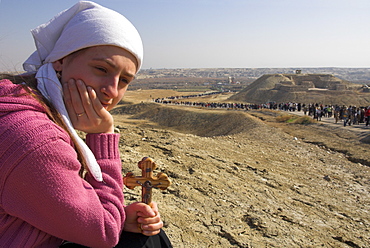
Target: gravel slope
column 240, row 179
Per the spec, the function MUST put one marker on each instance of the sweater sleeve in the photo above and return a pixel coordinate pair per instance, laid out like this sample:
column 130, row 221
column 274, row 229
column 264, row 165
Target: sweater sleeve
column 42, row 186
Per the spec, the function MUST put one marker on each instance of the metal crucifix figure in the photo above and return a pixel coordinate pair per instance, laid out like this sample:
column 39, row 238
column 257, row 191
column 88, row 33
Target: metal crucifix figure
column 147, row 181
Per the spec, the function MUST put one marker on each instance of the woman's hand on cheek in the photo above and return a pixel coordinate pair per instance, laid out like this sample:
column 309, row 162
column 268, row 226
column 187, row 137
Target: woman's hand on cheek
column 85, row 109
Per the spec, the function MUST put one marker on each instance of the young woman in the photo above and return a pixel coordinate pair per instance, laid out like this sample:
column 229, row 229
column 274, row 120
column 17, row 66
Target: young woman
column 54, row 187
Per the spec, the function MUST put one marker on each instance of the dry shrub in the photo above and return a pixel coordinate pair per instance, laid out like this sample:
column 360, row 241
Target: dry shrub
column 284, row 118
column 304, row 120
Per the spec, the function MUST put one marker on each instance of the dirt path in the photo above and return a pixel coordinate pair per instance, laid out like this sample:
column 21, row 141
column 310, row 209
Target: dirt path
column 361, row 127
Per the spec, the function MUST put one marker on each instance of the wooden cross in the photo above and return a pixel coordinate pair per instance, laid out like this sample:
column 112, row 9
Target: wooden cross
column 147, row 181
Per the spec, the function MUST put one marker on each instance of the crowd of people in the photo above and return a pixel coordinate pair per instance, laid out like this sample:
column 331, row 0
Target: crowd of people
column 349, row 115
column 182, row 100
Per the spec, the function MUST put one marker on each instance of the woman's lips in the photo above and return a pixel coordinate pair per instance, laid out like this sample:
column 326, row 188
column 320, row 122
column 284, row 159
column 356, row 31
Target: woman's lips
column 105, row 105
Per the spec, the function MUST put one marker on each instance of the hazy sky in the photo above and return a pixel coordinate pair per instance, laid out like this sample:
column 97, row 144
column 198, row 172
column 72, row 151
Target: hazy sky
column 216, row 33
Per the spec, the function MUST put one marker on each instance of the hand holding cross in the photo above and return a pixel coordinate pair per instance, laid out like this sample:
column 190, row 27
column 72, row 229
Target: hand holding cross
column 147, row 181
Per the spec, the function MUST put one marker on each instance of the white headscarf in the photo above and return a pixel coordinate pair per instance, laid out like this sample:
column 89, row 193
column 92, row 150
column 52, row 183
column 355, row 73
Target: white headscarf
column 84, row 25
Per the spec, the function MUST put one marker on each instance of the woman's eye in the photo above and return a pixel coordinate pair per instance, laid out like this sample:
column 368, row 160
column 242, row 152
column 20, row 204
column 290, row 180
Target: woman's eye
column 124, row 80
column 101, row 69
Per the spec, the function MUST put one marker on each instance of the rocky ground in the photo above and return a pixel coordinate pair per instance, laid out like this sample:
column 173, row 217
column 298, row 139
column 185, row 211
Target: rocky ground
column 242, row 179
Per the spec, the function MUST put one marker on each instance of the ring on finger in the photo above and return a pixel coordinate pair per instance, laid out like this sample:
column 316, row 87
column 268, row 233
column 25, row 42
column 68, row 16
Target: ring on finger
column 139, row 226
column 81, row 114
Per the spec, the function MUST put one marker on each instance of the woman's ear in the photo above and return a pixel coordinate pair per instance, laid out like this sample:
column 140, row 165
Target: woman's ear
column 58, row 65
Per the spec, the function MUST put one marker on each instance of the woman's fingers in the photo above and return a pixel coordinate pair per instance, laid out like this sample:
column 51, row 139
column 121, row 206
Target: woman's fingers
column 95, row 103
column 150, row 226
column 85, row 109
column 83, row 103
column 103, row 118
column 143, row 218
column 152, row 229
column 152, row 223
column 78, row 94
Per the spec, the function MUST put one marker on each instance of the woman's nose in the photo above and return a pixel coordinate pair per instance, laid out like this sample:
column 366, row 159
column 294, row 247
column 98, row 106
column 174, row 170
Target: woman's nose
column 111, row 87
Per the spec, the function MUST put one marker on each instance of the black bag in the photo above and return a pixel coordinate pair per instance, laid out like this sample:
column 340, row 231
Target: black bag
column 134, row 240
column 138, row 240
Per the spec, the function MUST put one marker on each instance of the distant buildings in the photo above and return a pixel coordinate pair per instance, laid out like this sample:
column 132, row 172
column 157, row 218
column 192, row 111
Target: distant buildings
column 304, row 82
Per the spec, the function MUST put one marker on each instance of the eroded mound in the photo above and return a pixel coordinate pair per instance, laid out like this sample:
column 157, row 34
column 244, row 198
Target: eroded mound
column 192, row 120
column 303, row 88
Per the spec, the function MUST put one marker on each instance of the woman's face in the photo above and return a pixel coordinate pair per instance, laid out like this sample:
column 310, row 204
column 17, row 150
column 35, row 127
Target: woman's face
column 107, row 69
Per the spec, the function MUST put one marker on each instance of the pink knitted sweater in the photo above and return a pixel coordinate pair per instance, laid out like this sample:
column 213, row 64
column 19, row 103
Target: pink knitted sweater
column 43, row 201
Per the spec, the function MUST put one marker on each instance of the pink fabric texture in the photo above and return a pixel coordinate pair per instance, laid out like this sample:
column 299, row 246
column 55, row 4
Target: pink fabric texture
column 43, row 201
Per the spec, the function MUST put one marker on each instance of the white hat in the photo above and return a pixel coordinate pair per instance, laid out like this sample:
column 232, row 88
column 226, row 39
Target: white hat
column 84, row 25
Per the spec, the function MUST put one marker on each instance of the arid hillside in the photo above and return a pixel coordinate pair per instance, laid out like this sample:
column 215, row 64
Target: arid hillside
column 242, row 179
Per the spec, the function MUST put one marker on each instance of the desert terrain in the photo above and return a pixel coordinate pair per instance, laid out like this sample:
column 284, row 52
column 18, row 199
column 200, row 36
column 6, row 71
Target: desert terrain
column 242, row 179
